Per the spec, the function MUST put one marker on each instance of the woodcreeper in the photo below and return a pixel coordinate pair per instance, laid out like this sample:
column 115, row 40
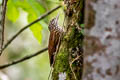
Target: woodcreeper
column 55, row 39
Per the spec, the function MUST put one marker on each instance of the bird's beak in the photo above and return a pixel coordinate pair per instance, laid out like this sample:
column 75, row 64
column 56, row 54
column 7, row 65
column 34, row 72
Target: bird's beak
column 56, row 19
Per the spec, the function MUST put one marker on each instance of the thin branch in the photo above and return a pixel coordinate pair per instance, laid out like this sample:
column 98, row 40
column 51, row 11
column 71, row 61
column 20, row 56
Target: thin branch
column 27, row 26
column 4, row 5
column 23, row 59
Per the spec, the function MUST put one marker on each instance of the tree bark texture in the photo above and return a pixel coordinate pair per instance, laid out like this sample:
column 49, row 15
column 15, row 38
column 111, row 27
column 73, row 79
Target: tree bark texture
column 102, row 40
column 69, row 60
column 0, row 25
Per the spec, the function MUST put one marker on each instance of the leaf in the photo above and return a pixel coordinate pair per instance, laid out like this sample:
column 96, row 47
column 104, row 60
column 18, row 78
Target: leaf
column 34, row 10
column 37, row 7
column 36, row 28
column 12, row 12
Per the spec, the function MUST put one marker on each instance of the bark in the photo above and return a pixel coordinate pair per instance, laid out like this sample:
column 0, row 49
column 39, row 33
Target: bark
column 69, row 60
column 102, row 40
column 0, row 27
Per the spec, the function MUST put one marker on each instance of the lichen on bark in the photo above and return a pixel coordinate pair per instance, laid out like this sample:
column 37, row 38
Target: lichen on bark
column 69, row 59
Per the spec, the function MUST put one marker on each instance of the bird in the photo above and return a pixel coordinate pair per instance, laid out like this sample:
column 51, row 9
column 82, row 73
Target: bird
column 54, row 39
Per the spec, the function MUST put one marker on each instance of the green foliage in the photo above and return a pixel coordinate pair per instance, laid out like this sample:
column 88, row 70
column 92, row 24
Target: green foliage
column 12, row 11
column 34, row 10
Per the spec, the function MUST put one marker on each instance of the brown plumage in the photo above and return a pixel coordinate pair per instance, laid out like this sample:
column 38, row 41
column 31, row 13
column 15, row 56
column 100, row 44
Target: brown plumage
column 54, row 39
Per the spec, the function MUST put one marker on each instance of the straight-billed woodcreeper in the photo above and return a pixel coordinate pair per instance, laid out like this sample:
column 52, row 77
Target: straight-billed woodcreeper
column 56, row 33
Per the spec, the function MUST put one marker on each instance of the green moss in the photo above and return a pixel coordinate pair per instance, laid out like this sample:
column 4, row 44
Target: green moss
column 73, row 39
column 62, row 63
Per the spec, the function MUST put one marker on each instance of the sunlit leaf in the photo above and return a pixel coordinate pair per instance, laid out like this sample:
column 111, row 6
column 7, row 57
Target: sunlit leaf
column 12, row 11
column 37, row 7
column 34, row 10
column 36, row 28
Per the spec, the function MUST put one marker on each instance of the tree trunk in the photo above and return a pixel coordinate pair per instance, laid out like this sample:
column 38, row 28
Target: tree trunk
column 102, row 40
column 0, row 27
column 69, row 60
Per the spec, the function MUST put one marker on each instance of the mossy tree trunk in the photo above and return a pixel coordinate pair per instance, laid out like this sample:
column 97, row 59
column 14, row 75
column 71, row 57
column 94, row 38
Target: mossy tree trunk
column 102, row 40
column 69, row 60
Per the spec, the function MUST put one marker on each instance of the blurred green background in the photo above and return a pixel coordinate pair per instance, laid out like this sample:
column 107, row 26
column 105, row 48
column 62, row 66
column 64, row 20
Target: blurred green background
column 20, row 13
